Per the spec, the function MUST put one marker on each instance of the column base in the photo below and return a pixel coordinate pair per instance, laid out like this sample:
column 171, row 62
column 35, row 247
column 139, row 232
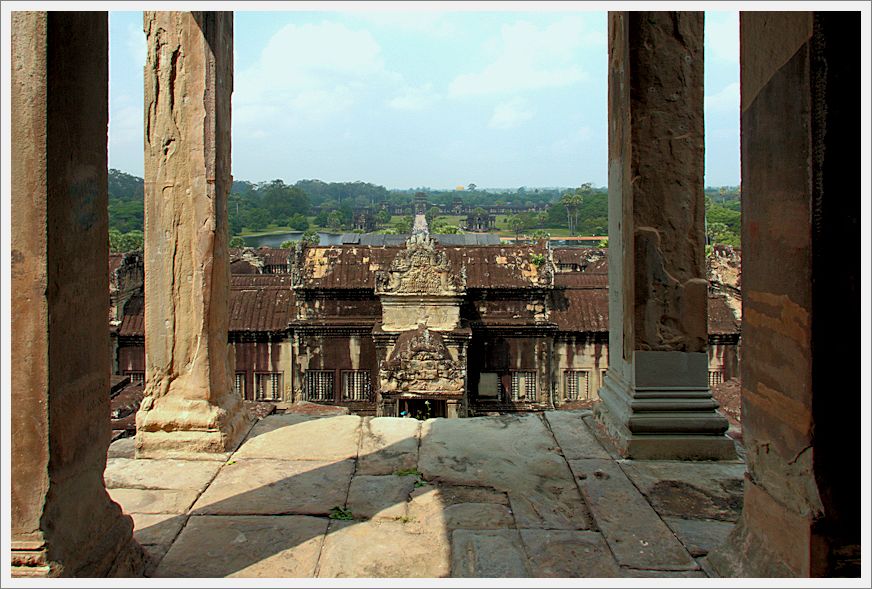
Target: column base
column 113, row 553
column 189, row 430
column 667, row 412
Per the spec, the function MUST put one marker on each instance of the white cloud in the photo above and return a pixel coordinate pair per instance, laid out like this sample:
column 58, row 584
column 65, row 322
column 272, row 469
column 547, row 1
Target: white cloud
column 722, row 36
column 415, row 98
column 508, row 115
column 526, row 57
column 725, row 101
column 431, row 24
column 310, row 70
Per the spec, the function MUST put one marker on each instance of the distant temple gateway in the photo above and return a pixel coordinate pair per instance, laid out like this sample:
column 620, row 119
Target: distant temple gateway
column 423, row 329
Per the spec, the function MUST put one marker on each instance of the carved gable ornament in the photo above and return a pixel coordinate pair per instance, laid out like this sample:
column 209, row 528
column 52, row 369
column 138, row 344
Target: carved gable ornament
column 421, row 363
column 421, row 270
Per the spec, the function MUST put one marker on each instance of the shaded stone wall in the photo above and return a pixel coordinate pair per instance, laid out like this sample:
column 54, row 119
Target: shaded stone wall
column 800, row 335
column 63, row 521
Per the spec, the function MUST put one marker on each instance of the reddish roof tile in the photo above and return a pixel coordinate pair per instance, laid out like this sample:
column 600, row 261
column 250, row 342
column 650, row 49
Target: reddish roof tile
column 132, row 323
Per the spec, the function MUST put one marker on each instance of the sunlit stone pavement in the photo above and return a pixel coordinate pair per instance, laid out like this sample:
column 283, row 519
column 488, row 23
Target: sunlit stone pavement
column 345, row 496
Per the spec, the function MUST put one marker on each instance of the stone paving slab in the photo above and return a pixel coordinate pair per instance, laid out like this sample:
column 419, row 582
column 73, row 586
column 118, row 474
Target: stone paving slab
column 126, row 473
column 651, row 574
column 387, row 445
column 700, row 536
column 691, row 490
column 452, row 507
column 511, row 453
column 273, row 487
column 635, row 533
column 488, row 553
column 156, row 528
column 382, row 548
column 565, row 553
column 123, row 448
column 301, row 437
column 572, row 434
column 380, row 496
column 154, row 500
column 245, row 546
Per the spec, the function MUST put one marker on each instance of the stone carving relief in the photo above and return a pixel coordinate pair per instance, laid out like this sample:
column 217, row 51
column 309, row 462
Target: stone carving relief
column 421, row 270
column 421, row 363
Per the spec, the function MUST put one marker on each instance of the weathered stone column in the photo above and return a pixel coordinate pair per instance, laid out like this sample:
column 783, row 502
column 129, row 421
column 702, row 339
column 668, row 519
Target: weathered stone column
column 189, row 408
column 801, row 194
column 655, row 400
column 63, row 521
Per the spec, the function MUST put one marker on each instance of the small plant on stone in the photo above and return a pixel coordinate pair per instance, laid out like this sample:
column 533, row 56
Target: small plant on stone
column 340, row 513
column 420, row 483
column 407, row 472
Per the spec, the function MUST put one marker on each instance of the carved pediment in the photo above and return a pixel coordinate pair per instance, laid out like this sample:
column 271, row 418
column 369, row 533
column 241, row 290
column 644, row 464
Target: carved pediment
column 422, row 270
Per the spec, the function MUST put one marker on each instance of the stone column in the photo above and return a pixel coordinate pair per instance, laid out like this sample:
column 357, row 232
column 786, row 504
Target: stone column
column 655, row 401
column 189, row 408
column 63, row 521
column 801, row 390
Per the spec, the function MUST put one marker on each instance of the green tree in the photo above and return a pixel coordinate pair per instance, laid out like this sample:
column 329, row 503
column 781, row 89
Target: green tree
column 257, row 219
column 404, row 225
column 383, row 217
column 310, row 237
column 432, row 215
column 298, row 222
column 287, row 244
column 334, row 220
column 516, row 224
column 571, row 201
column 237, row 242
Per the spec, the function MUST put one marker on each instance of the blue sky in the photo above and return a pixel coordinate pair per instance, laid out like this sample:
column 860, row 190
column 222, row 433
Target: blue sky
column 409, row 99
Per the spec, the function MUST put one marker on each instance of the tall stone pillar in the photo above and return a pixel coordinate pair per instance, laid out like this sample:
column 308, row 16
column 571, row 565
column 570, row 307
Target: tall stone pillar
column 655, row 401
column 189, row 408
column 63, row 521
column 801, row 391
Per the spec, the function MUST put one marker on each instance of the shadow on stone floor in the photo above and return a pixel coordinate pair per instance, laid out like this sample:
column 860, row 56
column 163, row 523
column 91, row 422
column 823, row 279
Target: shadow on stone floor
column 484, row 497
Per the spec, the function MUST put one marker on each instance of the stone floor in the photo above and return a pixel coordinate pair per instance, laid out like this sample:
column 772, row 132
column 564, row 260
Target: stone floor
column 344, row 496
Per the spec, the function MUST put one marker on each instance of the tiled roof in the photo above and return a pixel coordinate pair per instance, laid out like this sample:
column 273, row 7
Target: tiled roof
column 581, row 310
column 721, row 319
column 260, row 309
column 354, row 267
column 132, row 323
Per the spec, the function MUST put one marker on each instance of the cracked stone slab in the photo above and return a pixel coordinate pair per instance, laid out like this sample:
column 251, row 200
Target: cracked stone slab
column 301, row 437
column 690, row 490
column 568, row 553
column 245, row 546
column 383, row 548
column 156, row 528
column 380, row 496
column 272, row 487
column 388, row 444
column 700, row 536
column 488, row 553
column 153, row 500
column 573, row 435
column 510, row 453
column 635, row 533
column 126, row 473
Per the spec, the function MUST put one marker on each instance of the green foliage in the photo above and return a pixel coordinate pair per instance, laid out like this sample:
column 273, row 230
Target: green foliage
column 404, row 225
column 603, row 243
column 383, row 217
column 537, row 259
column 310, row 237
column 340, row 513
column 432, row 215
column 298, row 222
column 446, row 229
column 334, row 220
column 540, row 234
column 125, row 242
column 237, row 242
column 287, row 244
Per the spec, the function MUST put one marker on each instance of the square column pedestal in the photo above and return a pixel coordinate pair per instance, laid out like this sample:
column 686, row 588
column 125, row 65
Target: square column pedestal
column 664, row 410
